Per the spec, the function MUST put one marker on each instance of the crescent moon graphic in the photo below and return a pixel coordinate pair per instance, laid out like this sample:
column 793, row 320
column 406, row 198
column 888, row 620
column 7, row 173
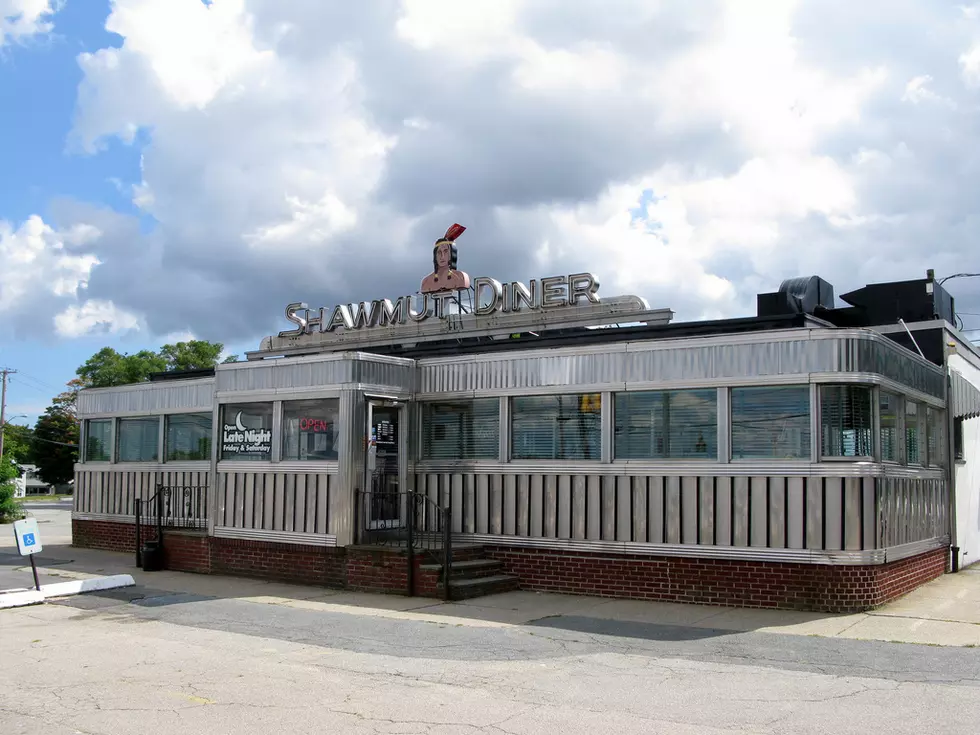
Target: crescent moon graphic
column 238, row 422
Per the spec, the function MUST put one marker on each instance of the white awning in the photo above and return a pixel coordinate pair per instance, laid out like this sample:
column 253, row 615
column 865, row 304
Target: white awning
column 965, row 400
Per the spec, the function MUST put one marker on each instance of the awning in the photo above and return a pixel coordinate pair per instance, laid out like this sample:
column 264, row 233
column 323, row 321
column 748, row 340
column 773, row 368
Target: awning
column 965, row 400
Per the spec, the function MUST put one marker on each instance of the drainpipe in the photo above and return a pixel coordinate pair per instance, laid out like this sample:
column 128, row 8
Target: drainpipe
column 950, row 460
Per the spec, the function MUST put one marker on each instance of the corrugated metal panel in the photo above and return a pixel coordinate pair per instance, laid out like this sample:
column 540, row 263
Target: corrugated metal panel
column 148, row 399
column 330, row 371
column 966, row 397
column 875, row 354
column 652, row 362
column 764, row 512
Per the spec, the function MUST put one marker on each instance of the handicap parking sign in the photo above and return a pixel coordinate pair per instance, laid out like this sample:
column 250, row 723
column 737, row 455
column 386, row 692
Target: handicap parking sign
column 28, row 538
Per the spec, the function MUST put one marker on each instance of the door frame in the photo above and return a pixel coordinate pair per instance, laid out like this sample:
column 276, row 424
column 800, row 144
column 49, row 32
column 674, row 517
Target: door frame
column 401, row 414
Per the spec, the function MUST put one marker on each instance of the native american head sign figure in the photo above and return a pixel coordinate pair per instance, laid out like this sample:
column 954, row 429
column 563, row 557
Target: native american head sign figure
column 444, row 276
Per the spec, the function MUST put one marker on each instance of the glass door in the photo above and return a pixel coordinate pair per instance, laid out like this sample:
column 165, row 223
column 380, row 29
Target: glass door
column 385, row 465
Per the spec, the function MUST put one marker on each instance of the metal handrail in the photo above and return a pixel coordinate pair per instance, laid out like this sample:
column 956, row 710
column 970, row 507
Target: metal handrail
column 420, row 525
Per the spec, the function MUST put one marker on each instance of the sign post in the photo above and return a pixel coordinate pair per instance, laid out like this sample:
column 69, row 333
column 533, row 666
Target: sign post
column 28, row 543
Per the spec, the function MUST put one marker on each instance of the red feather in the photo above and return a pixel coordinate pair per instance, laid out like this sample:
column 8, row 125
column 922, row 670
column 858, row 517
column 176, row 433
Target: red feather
column 455, row 231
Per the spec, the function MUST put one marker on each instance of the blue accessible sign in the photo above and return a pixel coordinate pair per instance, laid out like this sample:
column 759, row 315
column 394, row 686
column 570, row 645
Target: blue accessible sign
column 28, row 538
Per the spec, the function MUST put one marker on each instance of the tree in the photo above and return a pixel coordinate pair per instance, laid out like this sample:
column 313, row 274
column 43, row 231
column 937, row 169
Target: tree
column 192, row 355
column 17, row 443
column 9, row 507
column 55, row 445
column 107, row 367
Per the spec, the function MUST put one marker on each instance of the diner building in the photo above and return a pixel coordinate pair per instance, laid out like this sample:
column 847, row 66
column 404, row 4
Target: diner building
column 812, row 456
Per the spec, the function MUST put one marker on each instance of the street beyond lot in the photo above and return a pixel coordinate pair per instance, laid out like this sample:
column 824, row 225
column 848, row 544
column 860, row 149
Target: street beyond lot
column 189, row 653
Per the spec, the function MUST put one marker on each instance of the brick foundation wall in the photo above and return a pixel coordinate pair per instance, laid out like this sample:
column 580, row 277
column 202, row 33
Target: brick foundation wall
column 108, row 536
column 822, row 588
column 281, row 562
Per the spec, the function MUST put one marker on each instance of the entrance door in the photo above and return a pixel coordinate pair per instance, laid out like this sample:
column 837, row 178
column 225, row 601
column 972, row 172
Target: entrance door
column 385, row 465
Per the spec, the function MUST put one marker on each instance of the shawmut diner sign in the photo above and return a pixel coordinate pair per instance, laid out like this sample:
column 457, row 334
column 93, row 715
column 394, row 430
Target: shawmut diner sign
column 440, row 291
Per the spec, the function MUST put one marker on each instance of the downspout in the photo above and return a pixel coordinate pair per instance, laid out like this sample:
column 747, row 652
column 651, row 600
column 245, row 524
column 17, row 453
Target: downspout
column 950, row 460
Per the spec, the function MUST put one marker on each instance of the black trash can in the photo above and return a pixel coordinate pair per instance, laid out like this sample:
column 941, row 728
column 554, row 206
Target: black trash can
column 152, row 557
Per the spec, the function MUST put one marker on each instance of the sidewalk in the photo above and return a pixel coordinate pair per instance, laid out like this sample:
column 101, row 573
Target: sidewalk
column 945, row 612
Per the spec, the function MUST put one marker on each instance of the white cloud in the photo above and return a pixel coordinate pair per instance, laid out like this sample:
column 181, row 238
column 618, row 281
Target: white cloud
column 39, row 263
column 22, row 19
column 315, row 150
column 94, row 316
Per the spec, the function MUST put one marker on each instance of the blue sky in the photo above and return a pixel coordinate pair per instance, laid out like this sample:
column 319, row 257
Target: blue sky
column 40, row 77
column 230, row 157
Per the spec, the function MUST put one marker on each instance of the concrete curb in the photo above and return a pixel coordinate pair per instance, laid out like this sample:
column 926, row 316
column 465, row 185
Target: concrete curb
column 20, row 599
column 93, row 584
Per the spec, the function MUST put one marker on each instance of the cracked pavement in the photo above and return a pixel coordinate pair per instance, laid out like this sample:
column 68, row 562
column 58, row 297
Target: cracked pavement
column 148, row 661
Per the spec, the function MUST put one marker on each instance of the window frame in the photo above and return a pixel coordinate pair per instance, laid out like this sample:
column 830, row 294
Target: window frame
column 812, row 416
column 874, row 423
column 275, row 416
column 899, row 428
column 111, row 443
column 421, row 408
column 958, row 448
column 712, row 436
column 281, row 442
column 117, row 439
column 166, row 436
column 602, row 423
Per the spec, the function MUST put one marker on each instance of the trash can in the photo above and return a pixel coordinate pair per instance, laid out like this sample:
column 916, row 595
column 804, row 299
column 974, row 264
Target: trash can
column 152, row 557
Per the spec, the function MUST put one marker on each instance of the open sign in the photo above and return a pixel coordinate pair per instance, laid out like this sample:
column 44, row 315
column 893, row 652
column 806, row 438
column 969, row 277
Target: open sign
column 315, row 426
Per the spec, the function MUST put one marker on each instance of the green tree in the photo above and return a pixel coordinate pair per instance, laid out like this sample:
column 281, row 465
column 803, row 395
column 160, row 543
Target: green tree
column 56, row 446
column 17, row 443
column 107, row 367
column 9, row 507
column 193, row 355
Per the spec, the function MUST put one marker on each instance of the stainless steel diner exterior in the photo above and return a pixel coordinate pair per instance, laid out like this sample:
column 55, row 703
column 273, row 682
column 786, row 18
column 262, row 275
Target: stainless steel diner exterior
column 764, row 531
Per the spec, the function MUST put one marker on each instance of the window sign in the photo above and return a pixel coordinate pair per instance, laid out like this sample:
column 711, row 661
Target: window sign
column 310, row 430
column 246, row 431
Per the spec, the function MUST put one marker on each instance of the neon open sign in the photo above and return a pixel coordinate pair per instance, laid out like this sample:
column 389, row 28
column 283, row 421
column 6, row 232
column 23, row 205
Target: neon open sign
column 315, row 425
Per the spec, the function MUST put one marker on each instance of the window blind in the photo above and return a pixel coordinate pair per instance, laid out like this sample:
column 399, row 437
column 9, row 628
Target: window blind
column 457, row 430
column 771, row 422
column 188, row 437
column 558, row 427
column 888, row 408
column 138, row 440
column 846, row 421
column 666, row 424
column 98, row 440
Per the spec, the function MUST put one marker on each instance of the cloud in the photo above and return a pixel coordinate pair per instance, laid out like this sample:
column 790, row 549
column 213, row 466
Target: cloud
column 692, row 153
column 22, row 19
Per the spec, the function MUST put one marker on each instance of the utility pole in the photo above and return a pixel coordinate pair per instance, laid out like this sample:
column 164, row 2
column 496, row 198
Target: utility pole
column 3, row 404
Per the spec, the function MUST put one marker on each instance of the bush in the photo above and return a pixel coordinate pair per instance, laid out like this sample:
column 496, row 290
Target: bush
column 9, row 507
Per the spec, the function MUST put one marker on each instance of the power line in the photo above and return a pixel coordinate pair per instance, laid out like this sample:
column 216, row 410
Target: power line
column 6, row 372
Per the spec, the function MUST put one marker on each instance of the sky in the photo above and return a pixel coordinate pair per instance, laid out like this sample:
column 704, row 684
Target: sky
column 174, row 169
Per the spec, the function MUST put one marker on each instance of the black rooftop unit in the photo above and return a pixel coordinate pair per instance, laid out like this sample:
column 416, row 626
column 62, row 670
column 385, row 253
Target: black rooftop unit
column 806, row 295
column 922, row 300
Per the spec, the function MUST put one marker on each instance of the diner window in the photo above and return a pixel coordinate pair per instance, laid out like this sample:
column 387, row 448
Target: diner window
column 468, row 429
column 934, row 437
column 562, row 427
column 771, row 422
column 138, row 440
column 666, row 424
column 958, row 439
column 310, row 430
column 846, row 421
column 913, row 434
column 98, row 440
column 246, row 432
column 889, row 406
column 188, row 437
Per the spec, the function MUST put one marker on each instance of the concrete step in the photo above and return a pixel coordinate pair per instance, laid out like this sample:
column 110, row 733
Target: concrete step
column 467, row 589
column 468, row 569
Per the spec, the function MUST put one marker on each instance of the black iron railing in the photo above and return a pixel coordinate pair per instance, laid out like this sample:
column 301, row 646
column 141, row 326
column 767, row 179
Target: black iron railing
column 411, row 521
column 184, row 506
